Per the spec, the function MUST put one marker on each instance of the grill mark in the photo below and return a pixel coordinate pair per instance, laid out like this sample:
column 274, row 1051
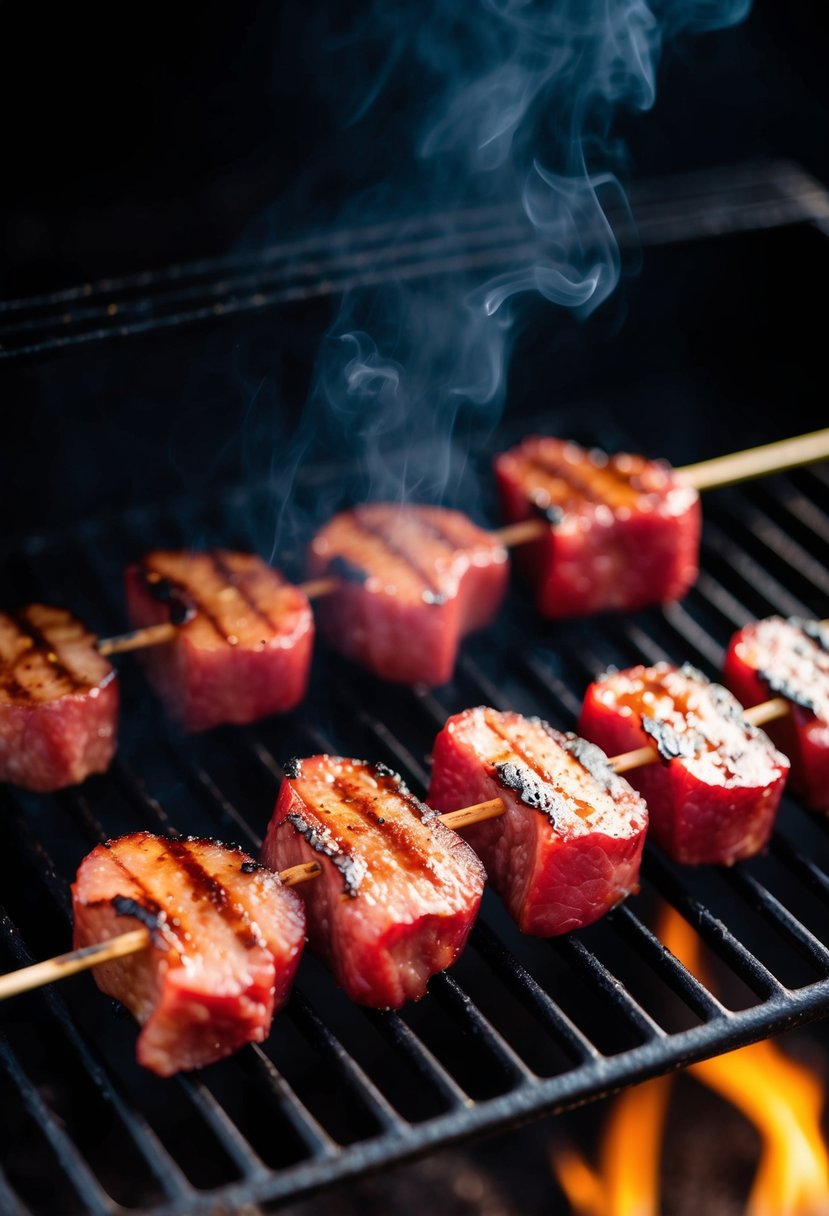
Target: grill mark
column 381, row 533
column 515, row 747
column 812, row 645
column 206, row 886
column 151, row 906
column 181, row 599
column 234, row 580
column 395, row 835
column 582, row 487
column 44, row 647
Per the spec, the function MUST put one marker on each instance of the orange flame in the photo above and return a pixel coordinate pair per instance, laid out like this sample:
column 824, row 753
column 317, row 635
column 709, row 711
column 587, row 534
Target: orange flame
column 779, row 1097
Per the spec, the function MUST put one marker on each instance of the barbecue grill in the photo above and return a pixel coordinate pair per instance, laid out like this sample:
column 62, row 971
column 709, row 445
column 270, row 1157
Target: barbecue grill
column 520, row 1027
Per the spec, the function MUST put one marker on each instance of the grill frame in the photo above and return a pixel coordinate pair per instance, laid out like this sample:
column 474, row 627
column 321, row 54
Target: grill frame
column 85, row 555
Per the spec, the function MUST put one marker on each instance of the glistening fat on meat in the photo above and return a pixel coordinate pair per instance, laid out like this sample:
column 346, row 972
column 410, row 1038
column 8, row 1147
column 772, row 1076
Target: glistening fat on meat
column 414, row 581
column 623, row 531
column 790, row 659
column 245, row 638
column 569, row 846
column 714, row 791
column 58, row 700
column 398, row 892
column 226, row 939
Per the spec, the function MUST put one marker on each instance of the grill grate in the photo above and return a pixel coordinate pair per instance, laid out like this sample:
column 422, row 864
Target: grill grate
column 520, row 1027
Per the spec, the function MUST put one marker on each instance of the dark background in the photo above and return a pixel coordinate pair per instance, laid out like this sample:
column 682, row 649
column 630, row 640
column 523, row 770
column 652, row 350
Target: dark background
column 137, row 137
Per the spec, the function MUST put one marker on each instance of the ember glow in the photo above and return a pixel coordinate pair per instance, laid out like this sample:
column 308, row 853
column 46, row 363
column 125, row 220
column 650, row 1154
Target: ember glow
column 779, row 1097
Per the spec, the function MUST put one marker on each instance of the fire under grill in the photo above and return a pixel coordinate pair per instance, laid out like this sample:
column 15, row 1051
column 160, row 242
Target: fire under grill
column 520, row 1027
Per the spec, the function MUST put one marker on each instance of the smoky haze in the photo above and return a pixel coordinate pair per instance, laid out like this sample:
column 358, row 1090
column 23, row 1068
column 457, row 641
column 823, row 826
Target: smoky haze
column 503, row 139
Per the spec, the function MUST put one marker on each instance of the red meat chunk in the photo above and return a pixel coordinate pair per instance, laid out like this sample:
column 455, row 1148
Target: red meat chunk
column 58, row 700
column 569, row 845
column 624, row 531
column 714, row 791
column 226, row 939
column 789, row 659
column 415, row 580
column 398, row 891
column 244, row 645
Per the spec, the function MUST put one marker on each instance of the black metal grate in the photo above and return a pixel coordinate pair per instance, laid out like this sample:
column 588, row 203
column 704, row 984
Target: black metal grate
column 520, row 1026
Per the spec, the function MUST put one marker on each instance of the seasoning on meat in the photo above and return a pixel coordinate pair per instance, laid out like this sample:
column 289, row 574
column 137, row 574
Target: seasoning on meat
column 429, row 577
column 58, row 700
column 226, row 939
column 714, row 792
column 790, row 659
column 243, row 648
column 624, row 531
column 569, row 846
column 398, row 891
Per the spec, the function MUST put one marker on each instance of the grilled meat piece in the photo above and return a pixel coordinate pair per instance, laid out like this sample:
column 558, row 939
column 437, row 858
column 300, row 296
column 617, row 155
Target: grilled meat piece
column 58, row 700
column 569, row 846
column 398, row 891
column 244, row 645
column 414, row 581
column 624, row 531
column 789, row 659
column 226, row 941
column 714, row 792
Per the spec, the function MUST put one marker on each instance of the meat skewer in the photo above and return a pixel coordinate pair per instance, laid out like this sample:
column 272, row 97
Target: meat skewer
column 27, row 978
column 539, row 523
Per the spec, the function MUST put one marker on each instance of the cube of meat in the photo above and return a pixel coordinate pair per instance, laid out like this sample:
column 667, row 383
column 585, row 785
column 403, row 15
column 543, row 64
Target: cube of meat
column 245, row 637
column 58, row 700
column 398, row 891
column 569, row 846
column 714, row 791
column 789, row 659
column 415, row 580
column 226, row 939
column 623, row 531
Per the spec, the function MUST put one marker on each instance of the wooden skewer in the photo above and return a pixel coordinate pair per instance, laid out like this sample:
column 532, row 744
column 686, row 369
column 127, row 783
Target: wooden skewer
column 136, row 940
column 721, row 471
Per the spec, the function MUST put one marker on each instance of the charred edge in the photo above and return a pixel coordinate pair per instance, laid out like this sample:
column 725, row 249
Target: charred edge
column 205, row 886
column 782, row 687
column 149, row 914
column 292, row 768
column 250, row 867
column 814, row 631
column 727, row 705
column 234, row 580
column 382, row 534
column 353, row 869
column 178, row 599
column 395, row 834
column 347, row 572
column 669, row 743
column 533, row 791
column 593, row 759
column 42, row 644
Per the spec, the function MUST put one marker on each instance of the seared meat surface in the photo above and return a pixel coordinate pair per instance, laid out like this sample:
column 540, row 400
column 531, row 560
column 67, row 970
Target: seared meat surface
column 398, row 891
column 414, row 581
column 623, row 531
column 58, row 700
column 245, row 637
column 569, row 846
column 714, row 792
column 226, row 939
